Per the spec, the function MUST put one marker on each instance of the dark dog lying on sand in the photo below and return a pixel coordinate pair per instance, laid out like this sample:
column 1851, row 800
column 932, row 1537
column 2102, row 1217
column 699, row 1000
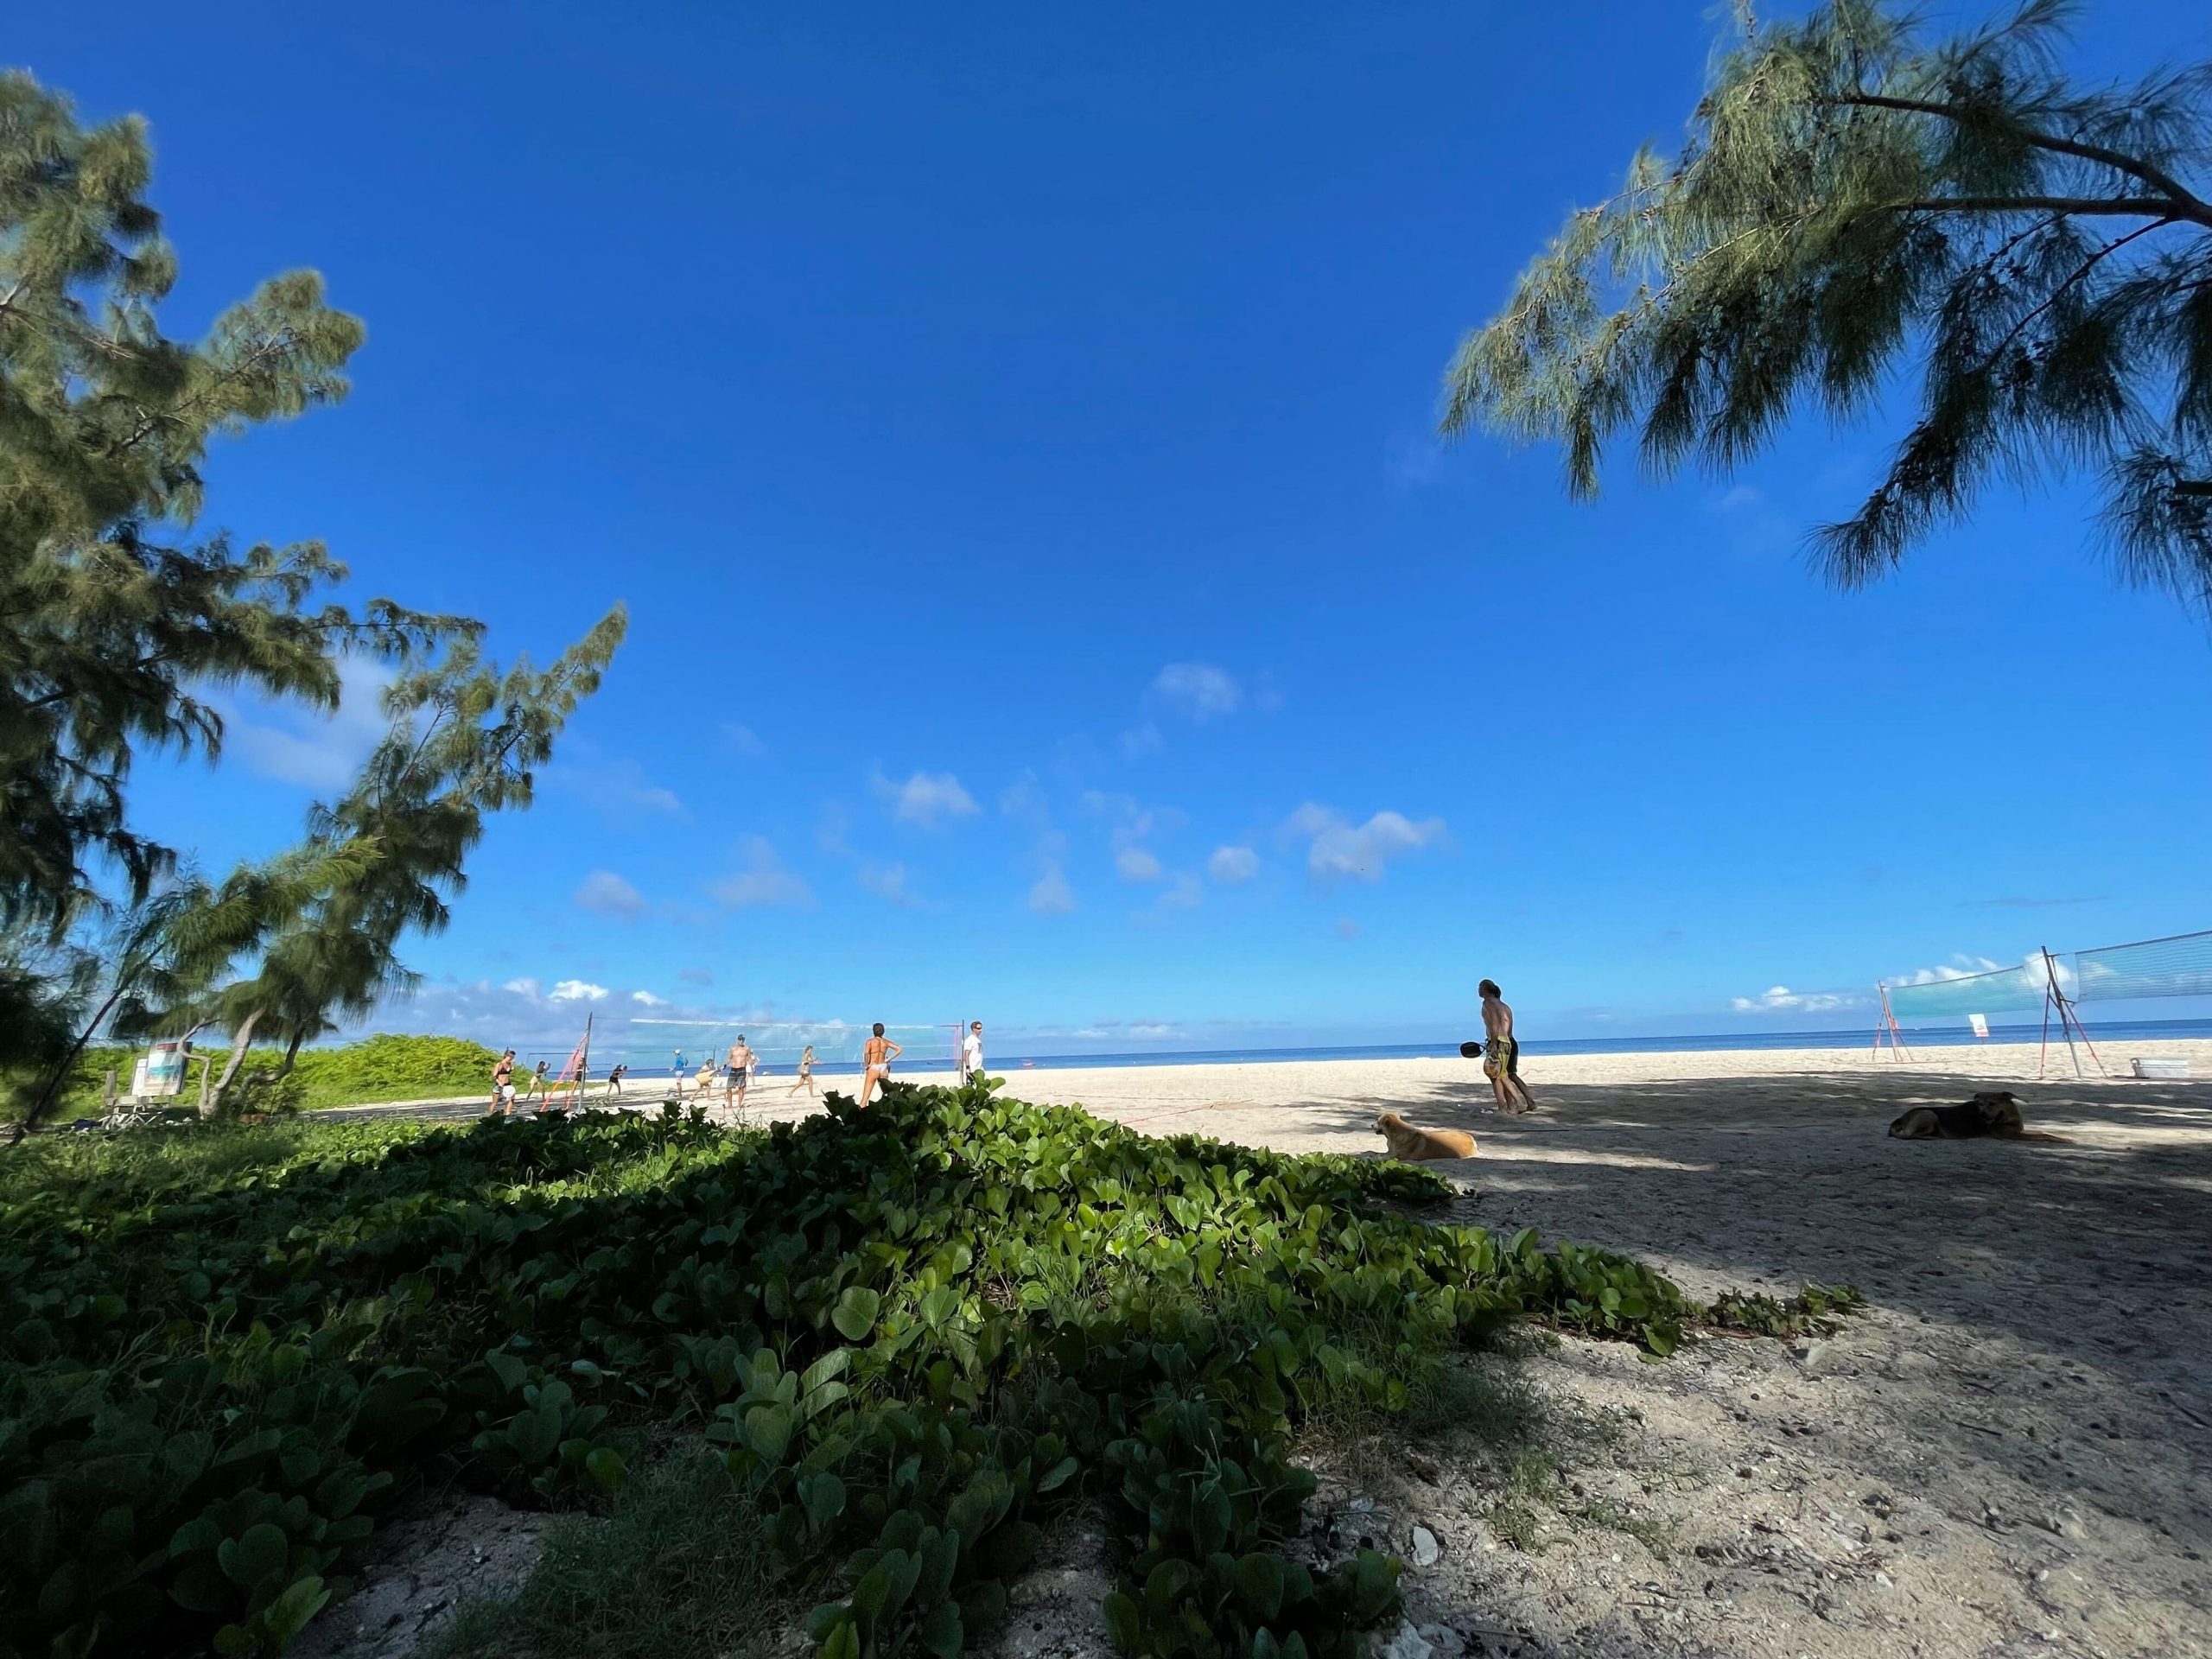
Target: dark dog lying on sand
column 1992, row 1112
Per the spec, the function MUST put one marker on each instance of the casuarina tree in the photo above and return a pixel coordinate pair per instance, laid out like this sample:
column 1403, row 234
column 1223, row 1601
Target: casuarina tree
column 465, row 738
column 116, row 616
column 1858, row 202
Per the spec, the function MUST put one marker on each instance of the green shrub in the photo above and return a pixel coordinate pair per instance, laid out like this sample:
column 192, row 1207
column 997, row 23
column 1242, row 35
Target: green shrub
column 913, row 1332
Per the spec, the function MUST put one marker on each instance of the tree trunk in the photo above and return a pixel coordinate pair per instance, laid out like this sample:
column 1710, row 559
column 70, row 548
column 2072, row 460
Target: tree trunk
column 60, row 1076
column 251, row 1089
column 240, row 1041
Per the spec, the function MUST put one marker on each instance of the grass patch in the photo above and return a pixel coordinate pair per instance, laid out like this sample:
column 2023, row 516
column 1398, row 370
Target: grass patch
column 379, row 1068
column 677, row 1570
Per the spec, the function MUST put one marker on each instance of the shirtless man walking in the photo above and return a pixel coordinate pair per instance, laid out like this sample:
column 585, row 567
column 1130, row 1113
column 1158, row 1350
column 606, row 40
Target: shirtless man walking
column 740, row 1074
column 875, row 1059
column 1502, row 1055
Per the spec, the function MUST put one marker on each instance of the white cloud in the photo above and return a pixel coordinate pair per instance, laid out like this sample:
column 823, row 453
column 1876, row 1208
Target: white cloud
column 1136, row 864
column 1347, row 928
column 1780, row 999
column 1198, row 690
column 605, row 894
column 295, row 744
column 1233, row 864
column 696, row 977
column 1023, row 800
column 1411, row 461
column 1141, row 741
column 1966, row 966
column 741, row 738
column 614, row 786
column 1183, row 893
column 762, row 881
column 887, row 882
column 1131, row 822
column 1960, row 967
column 927, row 798
column 1362, row 851
column 639, row 1023
column 577, row 990
column 1051, row 896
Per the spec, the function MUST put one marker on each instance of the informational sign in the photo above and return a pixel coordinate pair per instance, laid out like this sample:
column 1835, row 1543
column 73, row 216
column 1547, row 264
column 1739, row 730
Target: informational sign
column 1980, row 1022
column 159, row 1073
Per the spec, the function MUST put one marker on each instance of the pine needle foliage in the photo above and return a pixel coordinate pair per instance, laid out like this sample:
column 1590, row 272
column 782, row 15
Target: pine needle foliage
column 115, row 621
column 465, row 738
column 1856, row 199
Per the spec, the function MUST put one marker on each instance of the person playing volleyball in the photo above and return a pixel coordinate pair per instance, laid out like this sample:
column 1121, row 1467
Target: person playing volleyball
column 875, row 1060
column 805, row 1074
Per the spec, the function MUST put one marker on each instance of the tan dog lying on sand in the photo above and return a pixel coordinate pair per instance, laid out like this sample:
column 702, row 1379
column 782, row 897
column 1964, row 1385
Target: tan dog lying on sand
column 1415, row 1145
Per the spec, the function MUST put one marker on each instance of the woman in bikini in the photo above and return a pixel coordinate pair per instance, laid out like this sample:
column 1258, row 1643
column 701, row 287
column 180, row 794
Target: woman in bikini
column 876, row 1057
column 805, row 1074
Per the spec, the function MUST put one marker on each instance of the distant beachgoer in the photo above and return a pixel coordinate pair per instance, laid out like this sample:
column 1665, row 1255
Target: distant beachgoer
column 875, row 1061
column 1502, row 1054
column 971, row 1053
column 678, row 1074
column 805, row 1074
column 503, row 1085
column 740, row 1074
column 537, row 1086
column 615, row 1079
column 706, row 1078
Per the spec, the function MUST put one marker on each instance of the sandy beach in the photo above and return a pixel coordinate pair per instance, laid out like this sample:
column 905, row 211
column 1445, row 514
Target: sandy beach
column 2005, row 1455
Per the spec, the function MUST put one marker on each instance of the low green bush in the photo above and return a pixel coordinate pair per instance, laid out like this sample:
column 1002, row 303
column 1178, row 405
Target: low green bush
column 913, row 1332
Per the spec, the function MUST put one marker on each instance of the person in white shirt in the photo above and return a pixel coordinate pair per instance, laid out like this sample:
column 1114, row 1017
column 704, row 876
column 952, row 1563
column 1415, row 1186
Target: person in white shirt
column 972, row 1053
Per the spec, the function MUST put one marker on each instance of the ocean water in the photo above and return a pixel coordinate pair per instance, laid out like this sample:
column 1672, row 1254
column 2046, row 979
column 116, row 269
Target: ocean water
column 777, row 1074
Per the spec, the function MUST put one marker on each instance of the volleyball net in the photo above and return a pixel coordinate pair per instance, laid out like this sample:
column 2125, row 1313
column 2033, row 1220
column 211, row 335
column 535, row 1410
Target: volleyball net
column 651, row 1047
column 2008, row 990
column 2180, row 965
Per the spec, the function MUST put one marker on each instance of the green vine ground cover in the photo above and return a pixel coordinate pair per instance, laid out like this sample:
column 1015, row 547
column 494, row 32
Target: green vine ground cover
column 912, row 1335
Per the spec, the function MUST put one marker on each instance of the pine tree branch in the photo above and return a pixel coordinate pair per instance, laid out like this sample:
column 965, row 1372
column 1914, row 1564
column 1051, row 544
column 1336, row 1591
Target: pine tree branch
column 2156, row 208
column 153, row 422
column 2072, row 278
column 2186, row 203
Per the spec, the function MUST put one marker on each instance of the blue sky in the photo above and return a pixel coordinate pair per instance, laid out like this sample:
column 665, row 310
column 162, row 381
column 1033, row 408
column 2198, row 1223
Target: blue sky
column 1009, row 428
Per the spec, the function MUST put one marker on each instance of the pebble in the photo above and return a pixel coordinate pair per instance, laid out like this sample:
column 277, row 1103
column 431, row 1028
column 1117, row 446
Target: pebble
column 1426, row 1549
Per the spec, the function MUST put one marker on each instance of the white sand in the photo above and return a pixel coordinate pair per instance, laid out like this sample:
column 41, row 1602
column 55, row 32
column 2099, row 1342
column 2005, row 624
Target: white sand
column 2007, row 1455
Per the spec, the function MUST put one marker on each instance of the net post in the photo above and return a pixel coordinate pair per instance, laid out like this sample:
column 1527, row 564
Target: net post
column 2067, row 1015
column 2057, row 997
column 1897, row 1050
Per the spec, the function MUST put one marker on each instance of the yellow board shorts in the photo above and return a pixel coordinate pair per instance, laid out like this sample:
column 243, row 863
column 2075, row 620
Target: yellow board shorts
column 1501, row 1055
